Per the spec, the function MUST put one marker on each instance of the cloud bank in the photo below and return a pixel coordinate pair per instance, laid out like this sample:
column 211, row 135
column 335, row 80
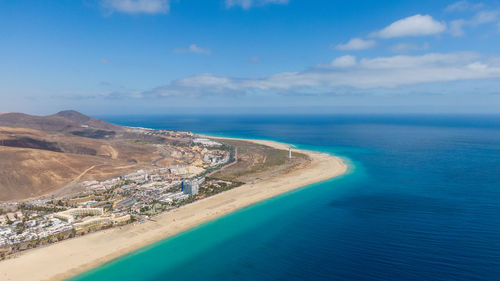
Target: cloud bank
column 345, row 71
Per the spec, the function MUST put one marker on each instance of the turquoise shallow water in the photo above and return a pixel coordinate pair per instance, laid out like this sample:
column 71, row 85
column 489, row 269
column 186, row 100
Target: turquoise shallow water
column 152, row 262
column 420, row 203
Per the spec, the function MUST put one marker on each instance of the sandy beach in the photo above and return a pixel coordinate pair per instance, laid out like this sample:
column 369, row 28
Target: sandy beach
column 70, row 257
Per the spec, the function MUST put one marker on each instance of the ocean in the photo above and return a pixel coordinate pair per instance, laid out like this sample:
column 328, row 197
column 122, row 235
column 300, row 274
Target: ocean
column 421, row 201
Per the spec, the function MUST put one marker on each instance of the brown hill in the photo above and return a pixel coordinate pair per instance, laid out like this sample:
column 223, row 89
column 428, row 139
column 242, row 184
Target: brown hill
column 84, row 120
column 41, row 154
column 62, row 122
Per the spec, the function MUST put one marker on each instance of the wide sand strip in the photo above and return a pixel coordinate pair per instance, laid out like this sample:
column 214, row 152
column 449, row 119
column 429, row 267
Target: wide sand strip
column 73, row 256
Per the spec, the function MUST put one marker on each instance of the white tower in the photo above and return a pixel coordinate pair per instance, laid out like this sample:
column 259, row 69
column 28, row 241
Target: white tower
column 289, row 153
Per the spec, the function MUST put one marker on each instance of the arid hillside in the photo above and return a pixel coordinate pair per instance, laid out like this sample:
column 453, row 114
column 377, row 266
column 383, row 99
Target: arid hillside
column 41, row 154
column 64, row 121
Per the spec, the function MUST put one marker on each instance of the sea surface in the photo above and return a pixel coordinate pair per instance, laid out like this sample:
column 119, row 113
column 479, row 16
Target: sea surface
column 421, row 201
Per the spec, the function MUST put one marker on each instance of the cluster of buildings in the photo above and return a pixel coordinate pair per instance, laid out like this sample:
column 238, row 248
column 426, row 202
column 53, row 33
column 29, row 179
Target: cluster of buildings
column 21, row 229
column 163, row 133
column 120, row 200
column 206, row 142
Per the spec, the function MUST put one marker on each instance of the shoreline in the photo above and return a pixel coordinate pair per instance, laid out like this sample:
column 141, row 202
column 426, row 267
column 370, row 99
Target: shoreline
column 71, row 257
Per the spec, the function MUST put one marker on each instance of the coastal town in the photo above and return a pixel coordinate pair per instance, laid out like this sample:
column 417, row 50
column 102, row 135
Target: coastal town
column 130, row 198
column 97, row 190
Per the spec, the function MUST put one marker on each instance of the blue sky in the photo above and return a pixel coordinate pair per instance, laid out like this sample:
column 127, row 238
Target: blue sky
column 249, row 56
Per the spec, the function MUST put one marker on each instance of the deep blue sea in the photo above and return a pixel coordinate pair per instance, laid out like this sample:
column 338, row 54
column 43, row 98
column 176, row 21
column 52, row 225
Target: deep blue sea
column 421, row 201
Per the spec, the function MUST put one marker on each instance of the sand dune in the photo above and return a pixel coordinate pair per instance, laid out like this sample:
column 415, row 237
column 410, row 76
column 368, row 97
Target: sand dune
column 70, row 257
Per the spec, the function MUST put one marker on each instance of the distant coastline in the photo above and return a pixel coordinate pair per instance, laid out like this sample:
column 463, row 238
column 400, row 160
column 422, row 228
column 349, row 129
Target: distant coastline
column 71, row 257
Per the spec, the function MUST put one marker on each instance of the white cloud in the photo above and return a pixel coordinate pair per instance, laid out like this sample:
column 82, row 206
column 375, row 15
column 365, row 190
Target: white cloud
column 485, row 17
column 431, row 59
column 481, row 17
column 193, row 48
column 417, row 25
column 366, row 73
column 247, row 4
column 344, row 61
column 462, row 6
column 457, row 27
column 356, row 44
column 136, row 6
column 409, row 47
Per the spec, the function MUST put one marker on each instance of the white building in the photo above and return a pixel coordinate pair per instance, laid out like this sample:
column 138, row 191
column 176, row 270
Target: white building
column 206, row 142
column 177, row 170
column 11, row 217
column 190, row 187
column 71, row 214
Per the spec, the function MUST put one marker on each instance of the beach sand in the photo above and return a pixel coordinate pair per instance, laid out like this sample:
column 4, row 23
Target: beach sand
column 73, row 256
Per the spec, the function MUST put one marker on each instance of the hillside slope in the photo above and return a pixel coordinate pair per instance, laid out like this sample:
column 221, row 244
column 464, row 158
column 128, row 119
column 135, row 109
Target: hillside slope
column 41, row 154
column 63, row 122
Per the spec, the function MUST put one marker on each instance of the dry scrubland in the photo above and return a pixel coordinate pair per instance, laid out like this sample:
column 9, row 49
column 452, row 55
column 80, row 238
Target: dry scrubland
column 41, row 155
column 257, row 161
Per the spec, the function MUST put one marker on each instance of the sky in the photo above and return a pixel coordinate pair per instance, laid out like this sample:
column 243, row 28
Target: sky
column 115, row 57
